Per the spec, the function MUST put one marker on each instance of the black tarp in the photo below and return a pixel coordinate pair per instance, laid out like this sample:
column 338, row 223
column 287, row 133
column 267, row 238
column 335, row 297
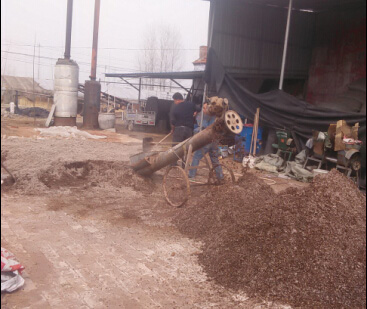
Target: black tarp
column 279, row 110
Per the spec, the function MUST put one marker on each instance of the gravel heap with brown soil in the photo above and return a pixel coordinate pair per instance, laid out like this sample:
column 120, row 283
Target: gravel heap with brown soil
column 303, row 247
column 83, row 175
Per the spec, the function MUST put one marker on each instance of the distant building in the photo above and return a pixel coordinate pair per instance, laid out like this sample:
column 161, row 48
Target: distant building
column 199, row 65
column 23, row 92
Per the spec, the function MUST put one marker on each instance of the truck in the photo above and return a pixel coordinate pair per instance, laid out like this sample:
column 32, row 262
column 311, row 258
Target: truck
column 142, row 118
column 152, row 115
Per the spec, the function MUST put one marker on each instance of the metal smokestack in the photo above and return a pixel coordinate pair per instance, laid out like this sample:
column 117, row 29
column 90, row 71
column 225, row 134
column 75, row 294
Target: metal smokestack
column 97, row 7
column 69, row 24
column 92, row 93
column 66, row 81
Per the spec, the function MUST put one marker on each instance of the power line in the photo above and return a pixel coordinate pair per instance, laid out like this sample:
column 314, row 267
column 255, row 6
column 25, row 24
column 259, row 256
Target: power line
column 79, row 62
column 111, row 48
column 42, row 64
column 81, row 53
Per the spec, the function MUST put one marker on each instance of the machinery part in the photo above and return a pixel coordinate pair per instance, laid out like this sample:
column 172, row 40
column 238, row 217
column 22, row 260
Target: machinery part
column 233, row 122
column 228, row 176
column 154, row 163
column 65, row 122
column 230, row 123
column 176, row 186
column 217, row 106
column 92, row 104
column 350, row 158
column 350, row 153
column 66, row 88
column 355, row 162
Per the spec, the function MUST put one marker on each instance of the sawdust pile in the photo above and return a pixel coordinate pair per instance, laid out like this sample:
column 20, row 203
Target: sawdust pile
column 303, row 247
column 4, row 155
column 84, row 175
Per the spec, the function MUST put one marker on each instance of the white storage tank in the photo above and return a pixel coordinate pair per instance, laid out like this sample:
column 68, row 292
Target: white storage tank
column 66, row 88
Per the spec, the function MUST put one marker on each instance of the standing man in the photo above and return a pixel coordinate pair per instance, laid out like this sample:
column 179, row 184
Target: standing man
column 212, row 148
column 182, row 118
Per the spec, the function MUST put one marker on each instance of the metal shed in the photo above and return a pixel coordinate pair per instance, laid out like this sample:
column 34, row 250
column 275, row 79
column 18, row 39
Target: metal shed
column 24, row 85
column 251, row 39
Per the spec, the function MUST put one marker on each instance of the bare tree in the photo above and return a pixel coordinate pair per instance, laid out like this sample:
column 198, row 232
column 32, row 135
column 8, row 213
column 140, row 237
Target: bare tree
column 162, row 52
column 148, row 58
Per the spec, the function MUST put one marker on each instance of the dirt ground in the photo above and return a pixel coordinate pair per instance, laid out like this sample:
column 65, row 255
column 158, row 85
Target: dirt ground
column 91, row 234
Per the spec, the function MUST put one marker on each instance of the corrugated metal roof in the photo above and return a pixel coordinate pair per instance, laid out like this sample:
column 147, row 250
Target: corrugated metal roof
column 22, row 84
column 314, row 5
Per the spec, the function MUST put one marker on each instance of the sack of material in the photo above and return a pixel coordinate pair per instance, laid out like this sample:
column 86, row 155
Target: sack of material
column 11, row 270
column 297, row 171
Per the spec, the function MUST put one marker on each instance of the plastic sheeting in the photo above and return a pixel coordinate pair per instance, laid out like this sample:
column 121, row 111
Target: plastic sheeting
column 279, row 110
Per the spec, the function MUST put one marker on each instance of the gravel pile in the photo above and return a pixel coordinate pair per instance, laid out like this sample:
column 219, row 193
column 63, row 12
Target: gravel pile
column 306, row 248
column 63, row 176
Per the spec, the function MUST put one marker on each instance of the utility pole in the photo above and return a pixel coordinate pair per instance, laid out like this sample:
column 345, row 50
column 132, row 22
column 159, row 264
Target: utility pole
column 39, row 61
column 34, row 95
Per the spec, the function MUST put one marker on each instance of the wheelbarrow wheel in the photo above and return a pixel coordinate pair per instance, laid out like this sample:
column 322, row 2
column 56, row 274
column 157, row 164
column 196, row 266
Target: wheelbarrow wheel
column 176, row 186
column 227, row 173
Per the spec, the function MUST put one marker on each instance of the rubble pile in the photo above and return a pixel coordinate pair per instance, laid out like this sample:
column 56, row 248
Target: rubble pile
column 303, row 247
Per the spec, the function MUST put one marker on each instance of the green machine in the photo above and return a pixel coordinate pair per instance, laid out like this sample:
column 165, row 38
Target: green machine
column 285, row 145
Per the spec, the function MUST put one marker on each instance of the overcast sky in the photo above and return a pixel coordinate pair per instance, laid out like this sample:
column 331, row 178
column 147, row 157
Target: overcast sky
column 123, row 23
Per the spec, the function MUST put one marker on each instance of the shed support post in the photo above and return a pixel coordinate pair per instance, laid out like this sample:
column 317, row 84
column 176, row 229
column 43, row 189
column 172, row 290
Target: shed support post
column 139, row 99
column 202, row 107
column 282, row 74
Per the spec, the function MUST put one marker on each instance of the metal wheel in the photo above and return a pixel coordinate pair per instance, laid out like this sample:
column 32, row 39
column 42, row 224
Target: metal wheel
column 355, row 163
column 233, row 122
column 176, row 186
column 227, row 173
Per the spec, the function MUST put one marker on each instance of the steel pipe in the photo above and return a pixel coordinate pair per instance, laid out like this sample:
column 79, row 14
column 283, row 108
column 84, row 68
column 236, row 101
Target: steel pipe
column 93, row 75
column 92, row 104
column 230, row 123
column 69, row 23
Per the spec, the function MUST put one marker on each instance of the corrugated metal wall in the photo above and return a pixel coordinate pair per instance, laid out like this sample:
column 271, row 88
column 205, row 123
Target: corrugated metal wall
column 249, row 39
column 339, row 55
